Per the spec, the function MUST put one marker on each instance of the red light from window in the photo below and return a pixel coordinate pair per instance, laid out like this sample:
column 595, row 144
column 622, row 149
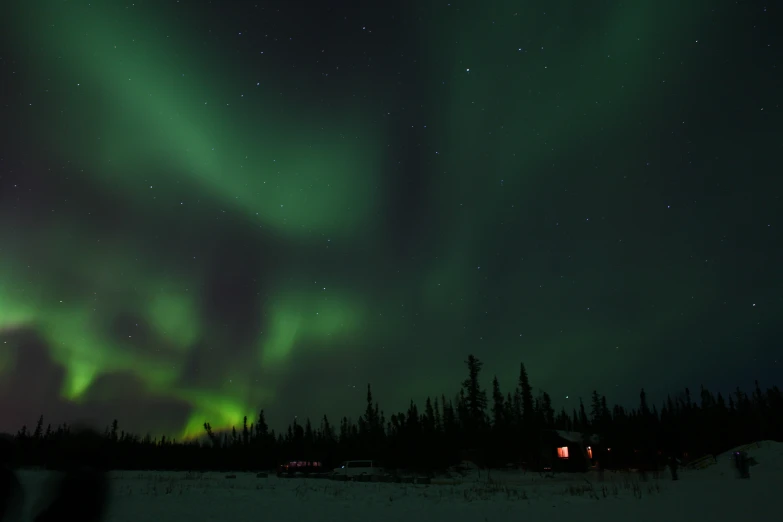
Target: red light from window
column 562, row 452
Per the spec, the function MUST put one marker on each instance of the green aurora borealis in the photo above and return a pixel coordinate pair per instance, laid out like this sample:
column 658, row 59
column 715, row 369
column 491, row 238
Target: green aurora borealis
column 207, row 211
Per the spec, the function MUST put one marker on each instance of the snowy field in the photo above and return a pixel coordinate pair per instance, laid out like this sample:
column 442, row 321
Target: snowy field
column 712, row 494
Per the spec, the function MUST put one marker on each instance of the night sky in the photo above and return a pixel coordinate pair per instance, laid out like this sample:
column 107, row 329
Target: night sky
column 208, row 208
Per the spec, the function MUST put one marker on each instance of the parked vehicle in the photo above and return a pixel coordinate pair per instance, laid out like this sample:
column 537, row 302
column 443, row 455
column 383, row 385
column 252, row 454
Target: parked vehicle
column 296, row 467
column 355, row 468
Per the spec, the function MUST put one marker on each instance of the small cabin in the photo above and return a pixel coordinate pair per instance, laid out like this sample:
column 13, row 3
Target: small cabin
column 565, row 451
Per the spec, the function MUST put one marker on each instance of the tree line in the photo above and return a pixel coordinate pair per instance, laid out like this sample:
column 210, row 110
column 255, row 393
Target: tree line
column 487, row 426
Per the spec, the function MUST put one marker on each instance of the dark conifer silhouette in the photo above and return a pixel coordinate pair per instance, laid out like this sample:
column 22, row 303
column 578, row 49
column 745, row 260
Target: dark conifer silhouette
column 81, row 492
column 11, row 494
column 475, row 396
column 440, row 433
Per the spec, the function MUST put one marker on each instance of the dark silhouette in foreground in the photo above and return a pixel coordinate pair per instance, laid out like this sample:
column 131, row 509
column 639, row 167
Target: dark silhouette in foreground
column 742, row 463
column 11, row 494
column 81, row 490
column 673, row 466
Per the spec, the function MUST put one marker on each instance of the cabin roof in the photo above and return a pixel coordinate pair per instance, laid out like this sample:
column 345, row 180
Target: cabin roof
column 570, row 436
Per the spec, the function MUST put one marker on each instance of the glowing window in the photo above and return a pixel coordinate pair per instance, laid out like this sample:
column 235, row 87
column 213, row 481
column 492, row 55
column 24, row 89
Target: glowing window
column 562, row 452
column 589, row 452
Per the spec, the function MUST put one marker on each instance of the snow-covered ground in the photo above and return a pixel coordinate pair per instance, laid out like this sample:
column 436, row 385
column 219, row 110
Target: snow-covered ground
column 712, row 494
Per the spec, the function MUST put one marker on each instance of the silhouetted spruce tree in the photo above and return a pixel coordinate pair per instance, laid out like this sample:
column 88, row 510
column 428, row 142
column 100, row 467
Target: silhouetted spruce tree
column 463, row 414
column 606, row 415
column 327, row 431
column 413, row 434
column 429, row 417
column 643, row 408
column 450, row 427
column 517, row 407
column 498, row 439
column 210, row 434
column 344, row 431
column 371, row 427
column 428, row 435
column 758, row 397
column 706, row 398
column 475, row 396
column 526, row 396
column 308, row 431
column 509, row 413
column 297, row 444
column 113, row 433
column 595, row 411
column 38, row 429
column 567, row 421
column 527, row 431
column 498, row 407
column 262, row 428
column 548, row 412
column 438, row 422
column 436, row 436
column 584, row 424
